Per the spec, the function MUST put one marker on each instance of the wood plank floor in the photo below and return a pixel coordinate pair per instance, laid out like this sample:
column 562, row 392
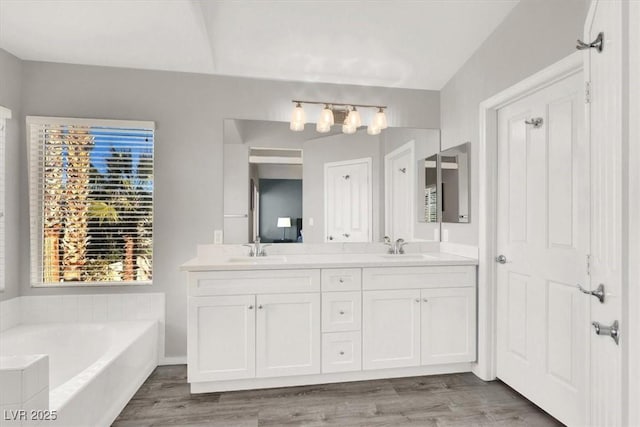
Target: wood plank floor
column 441, row 400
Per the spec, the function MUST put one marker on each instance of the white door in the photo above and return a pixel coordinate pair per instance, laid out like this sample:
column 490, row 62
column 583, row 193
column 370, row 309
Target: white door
column 288, row 334
column 399, row 172
column 221, row 343
column 543, row 231
column 604, row 128
column 391, row 329
column 348, row 209
column 448, row 325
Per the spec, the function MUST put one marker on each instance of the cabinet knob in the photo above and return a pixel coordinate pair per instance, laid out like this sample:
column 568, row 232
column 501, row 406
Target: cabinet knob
column 417, row 299
column 250, row 307
column 342, row 353
column 341, row 280
column 260, row 307
column 341, row 312
column 425, row 300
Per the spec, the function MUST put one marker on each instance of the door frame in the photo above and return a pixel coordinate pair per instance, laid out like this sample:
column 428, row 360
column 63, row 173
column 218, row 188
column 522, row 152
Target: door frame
column 368, row 161
column 485, row 368
column 411, row 146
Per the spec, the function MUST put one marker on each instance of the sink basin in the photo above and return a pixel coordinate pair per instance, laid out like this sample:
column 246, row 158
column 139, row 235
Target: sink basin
column 408, row 257
column 269, row 259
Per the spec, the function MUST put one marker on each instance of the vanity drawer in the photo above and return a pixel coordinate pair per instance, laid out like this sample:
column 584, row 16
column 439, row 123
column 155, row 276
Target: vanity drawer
column 341, row 351
column 341, row 279
column 242, row 282
column 418, row 277
column 341, row 311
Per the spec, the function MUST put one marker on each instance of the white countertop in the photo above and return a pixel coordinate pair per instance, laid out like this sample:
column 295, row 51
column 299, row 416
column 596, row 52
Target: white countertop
column 341, row 260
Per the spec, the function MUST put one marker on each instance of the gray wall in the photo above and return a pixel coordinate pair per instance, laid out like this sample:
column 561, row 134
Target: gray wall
column 334, row 149
column 10, row 97
column 188, row 110
column 535, row 34
column 279, row 198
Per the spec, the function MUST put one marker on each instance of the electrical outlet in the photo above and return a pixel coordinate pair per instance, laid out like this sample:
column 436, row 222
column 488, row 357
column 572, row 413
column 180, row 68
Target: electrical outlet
column 217, row 237
column 311, row 222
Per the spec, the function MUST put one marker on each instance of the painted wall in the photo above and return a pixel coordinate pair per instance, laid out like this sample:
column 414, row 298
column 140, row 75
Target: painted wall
column 10, row 97
column 188, row 110
column 279, row 198
column 535, row 34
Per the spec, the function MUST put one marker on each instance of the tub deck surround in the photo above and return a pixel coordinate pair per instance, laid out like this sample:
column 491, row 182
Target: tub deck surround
column 347, row 313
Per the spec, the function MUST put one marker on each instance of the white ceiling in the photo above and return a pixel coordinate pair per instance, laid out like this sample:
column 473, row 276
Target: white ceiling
column 416, row 44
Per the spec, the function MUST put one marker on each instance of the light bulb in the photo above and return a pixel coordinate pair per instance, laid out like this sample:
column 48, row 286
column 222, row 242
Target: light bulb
column 354, row 118
column 297, row 118
column 380, row 119
column 373, row 130
column 326, row 116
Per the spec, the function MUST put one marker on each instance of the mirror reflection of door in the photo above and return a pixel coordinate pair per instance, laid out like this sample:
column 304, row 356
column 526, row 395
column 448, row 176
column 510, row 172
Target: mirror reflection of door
column 276, row 181
column 399, row 191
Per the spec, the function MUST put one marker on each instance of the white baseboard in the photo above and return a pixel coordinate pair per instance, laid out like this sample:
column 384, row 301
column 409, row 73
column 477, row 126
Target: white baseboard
column 459, row 249
column 173, row 360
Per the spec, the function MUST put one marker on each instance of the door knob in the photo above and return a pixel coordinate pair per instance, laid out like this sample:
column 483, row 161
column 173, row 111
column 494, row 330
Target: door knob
column 501, row 259
column 598, row 293
column 613, row 331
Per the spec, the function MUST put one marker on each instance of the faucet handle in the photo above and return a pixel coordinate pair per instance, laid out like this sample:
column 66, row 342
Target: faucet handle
column 387, row 240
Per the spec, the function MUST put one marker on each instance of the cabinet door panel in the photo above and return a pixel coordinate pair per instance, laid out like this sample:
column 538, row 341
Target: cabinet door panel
column 288, row 334
column 221, row 343
column 391, row 328
column 448, row 325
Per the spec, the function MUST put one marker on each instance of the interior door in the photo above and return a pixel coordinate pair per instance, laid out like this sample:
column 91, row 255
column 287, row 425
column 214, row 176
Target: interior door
column 288, row 334
column 348, row 209
column 604, row 125
column 543, row 234
column 391, row 329
column 399, row 196
column 221, row 338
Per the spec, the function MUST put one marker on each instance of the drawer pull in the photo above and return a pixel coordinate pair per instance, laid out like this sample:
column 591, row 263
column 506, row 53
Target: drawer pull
column 342, row 353
column 341, row 280
column 341, row 312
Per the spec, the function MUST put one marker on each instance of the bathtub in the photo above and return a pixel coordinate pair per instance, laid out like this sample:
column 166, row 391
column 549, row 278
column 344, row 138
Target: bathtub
column 94, row 368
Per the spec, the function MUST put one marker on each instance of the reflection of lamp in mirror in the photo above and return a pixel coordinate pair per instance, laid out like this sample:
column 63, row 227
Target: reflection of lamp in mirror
column 284, row 223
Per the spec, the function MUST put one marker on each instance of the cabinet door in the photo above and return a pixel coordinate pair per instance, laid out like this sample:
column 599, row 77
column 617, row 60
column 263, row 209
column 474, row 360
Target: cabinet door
column 448, row 325
column 288, row 335
column 221, row 342
column 391, row 328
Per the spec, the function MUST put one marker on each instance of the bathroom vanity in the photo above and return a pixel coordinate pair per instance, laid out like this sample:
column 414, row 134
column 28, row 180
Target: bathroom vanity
column 284, row 320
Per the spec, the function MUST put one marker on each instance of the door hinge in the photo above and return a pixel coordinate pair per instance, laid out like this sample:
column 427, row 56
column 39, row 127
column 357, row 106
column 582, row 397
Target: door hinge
column 587, row 92
column 588, row 265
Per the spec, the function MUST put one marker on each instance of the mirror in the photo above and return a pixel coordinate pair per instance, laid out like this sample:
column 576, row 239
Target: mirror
column 330, row 186
column 455, row 197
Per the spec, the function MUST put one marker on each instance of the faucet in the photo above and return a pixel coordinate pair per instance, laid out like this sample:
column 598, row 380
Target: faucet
column 395, row 248
column 257, row 248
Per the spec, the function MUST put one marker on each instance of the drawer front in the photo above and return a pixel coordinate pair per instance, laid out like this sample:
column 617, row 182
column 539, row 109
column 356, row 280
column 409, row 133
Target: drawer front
column 341, row 279
column 418, row 277
column 341, row 311
column 341, row 351
column 253, row 282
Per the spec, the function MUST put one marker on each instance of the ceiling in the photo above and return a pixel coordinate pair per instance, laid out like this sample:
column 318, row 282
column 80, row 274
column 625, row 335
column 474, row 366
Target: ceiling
column 416, row 44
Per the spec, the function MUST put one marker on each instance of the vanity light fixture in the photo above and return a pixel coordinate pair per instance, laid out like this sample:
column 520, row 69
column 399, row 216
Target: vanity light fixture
column 352, row 119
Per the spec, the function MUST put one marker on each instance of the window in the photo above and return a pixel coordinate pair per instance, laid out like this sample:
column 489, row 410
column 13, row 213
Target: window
column 91, row 201
column 5, row 114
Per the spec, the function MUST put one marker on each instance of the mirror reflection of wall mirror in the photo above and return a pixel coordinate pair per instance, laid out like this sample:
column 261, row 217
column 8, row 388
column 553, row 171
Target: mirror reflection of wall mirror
column 332, row 187
column 455, row 196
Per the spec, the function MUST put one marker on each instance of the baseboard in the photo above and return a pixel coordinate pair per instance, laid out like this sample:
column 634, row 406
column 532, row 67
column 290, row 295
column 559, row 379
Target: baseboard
column 173, row 360
column 459, row 249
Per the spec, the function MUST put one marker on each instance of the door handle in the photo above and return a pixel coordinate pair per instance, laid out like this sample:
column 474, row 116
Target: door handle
column 598, row 293
column 501, row 259
column 613, row 331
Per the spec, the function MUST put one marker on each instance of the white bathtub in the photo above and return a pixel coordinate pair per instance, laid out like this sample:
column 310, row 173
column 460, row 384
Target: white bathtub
column 94, row 368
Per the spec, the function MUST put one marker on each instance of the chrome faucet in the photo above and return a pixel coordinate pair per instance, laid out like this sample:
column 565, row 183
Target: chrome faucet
column 396, row 247
column 257, row 248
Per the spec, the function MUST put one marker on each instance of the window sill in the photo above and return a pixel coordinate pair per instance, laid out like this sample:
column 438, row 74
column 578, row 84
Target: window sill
column 90, row 284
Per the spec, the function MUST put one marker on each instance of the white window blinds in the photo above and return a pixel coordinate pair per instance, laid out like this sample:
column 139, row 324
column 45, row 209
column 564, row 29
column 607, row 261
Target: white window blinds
column 5, row 114
column 91, row 196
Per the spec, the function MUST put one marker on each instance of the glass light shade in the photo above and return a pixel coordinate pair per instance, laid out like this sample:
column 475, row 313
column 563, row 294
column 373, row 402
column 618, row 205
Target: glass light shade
column 297, row 118
column 354, row 118
column 373, row 130
column 348, row 129
column 322, row 127
column 380, row 120
column 326, row 116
